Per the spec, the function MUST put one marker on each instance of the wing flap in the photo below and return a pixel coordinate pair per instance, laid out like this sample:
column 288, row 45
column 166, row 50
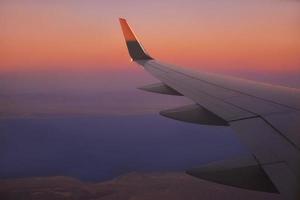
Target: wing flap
column 284, row 179
column 242, row 172
column 279, row 158
column 160, row 88
column 194, row 114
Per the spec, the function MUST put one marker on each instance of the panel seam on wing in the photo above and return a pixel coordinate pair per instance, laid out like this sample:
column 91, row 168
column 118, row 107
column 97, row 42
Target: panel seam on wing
column 290, row 107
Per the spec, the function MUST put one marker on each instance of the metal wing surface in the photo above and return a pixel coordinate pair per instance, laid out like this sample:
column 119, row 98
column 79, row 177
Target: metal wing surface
column 265, row 117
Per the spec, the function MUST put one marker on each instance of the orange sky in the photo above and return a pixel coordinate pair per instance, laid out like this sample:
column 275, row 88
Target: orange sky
column 74, row 35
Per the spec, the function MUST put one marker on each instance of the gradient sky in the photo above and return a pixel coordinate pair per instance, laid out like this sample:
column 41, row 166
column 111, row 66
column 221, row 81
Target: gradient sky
column 217, row 35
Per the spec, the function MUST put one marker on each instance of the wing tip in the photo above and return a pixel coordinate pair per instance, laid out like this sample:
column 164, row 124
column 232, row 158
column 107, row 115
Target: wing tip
column 122, row 19
column 127, row 32
column 135, row 48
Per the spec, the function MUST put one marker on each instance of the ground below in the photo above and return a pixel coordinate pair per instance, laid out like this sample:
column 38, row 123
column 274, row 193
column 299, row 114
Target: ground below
column 133, row 186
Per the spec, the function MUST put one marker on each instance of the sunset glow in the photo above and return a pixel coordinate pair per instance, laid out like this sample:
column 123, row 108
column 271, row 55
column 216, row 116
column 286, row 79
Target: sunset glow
column 40, row 35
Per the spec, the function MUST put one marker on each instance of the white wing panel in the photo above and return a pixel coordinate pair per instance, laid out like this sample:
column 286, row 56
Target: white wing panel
column 273, row 152
column 288, row 124
column 183, row 85
column 289, row 97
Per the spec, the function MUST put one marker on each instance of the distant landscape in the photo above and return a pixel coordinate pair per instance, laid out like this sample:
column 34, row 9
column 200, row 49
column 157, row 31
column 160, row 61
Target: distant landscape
column 58, row 134
column 102, row 148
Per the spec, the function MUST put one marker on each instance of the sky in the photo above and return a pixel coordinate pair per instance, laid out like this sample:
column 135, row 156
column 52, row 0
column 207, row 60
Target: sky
column 77, row 46
column 80, row 35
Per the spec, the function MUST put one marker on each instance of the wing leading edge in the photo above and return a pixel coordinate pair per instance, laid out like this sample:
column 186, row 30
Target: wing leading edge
column 266, row 118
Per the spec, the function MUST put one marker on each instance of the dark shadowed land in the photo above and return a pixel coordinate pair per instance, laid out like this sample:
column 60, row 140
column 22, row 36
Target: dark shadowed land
column 149, row 186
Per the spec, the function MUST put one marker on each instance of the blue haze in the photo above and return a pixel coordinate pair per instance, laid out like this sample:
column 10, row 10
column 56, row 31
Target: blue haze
column 101, row 148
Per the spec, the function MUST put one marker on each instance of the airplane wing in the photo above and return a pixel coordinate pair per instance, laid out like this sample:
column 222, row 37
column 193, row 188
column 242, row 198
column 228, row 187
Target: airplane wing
column 265, row 117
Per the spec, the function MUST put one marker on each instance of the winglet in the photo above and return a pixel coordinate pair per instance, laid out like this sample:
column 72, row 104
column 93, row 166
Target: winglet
column 135, row 48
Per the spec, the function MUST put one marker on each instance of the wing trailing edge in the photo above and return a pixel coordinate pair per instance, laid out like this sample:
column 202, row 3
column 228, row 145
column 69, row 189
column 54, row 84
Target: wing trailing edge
column 160, row 88
column 194, row 114
column 241, row 172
